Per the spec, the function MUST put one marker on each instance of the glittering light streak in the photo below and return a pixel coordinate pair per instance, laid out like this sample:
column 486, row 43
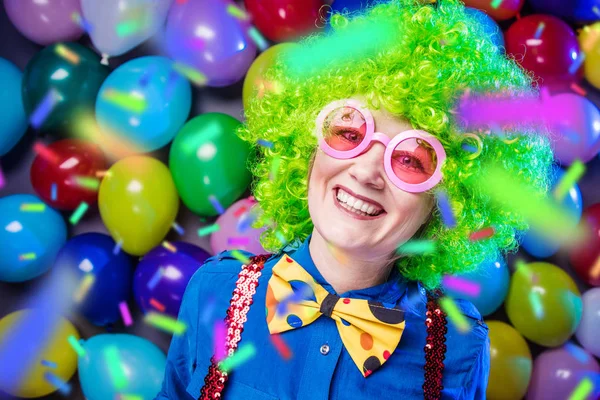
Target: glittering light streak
column 27, row 256
column 53, row 192
column 215, row 203
column 76, row 346
column 156, row 278
column 540, row 30
column 220, row 334
column 128, row 28
column 87, row 182
column 158, row 305
column 169, row 246
column 117, row 247
column 63, row 387
column 67, row 54
column 417, row 247
column 459, row 320
column 207, row 230
column 240, row 257
column 33, row 207
column 79, row 20
column 265, row 143
column 496, row 3
column 165, row 323
column 274, row 168
column 578, row 89
column 41, row 150
column 125, row 314
column 127, row 101
column 260, row 41
column 44, row 108
column 178, row 228
column 113, row 362
column 237, row 12
column 190, row 73
column 481, row 234
column 241, row 355
column 49, row 364
column 78, row 213
column 461, row 285
column 281, row 346
column 577, row 63
column 569, row 179
column 583, row 389
column 238, row 241
column 445, row 208
column 84, row 287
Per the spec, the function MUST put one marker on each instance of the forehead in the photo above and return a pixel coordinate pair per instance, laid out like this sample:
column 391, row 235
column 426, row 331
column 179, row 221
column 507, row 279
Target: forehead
column 385, row 122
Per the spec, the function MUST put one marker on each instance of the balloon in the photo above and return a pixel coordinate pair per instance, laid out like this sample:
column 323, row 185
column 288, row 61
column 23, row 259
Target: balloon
column 45, row 22
column 588, row 41
column 281, row 20
column 208, row 147
column 205, row 36
column 490, row 28
column 583, row 256
column 138, row 203
column 535, row 244
column 31, row 237
column 72, row 174
column 120, row 25
column 579, row 11
column 492, row 279
column 166, row 99
column 543, row 304
column 162, row 276
column 56, row 350
column 142, row 364
column 557, row 372
column 510, row 363
column 548, row 55
column 235, row 231
column 506, row 10
column 75, row 78
column 12, row 112
column 92, row 254
column 255, row 77
column 587, row 332
column 576, row 128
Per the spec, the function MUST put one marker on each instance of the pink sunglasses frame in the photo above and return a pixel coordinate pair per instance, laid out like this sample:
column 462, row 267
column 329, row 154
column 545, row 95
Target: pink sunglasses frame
column 390, row 144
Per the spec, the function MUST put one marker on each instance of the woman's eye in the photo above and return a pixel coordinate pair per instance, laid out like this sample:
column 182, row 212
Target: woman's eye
column 410, row 162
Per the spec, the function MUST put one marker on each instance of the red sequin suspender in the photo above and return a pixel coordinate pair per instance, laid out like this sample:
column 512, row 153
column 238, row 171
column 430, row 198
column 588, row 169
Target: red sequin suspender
column 214, row 382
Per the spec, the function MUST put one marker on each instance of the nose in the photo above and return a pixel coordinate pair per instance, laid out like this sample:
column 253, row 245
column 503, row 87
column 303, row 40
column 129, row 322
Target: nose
column 367, row 168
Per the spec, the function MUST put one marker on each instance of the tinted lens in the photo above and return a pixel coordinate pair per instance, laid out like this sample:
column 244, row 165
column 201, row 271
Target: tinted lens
column 414, row 160
column 344, row 128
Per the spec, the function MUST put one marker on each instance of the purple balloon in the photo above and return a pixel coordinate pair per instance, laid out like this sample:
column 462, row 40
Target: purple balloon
column 162, row 276
column 45, row 22
column 203, row 35
column 556, row 373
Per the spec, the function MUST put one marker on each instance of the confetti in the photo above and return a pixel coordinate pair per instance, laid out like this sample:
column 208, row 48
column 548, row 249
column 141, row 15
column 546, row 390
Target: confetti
column 49, row 364
column 113, row 362
column 578, row 89
column 53, row 192
column 165, row 323
column 569, row 179
column 450, row 308
column 156, row 278
column 84, row 287
column 156, row 304
column 461, row 285
column 78, row 213
column 190, row 73
column 178, row 228
column 577, row 63
column 76, row 346
column 274, row 168
column 127, row 28
column 125, row 314
column 240, row 211
column 536, row 303
column 63, row 387
column 237, row 12
column 169, row 246
column 208, row 311
column 246, row 222
column 496, row 3
column 258, row 38
column 220, row 333
column 33, row 207
column 595, row 271
column 215, row 203
column 241, row 355
column 540, row 29
column 102, row 174
column 86, row 182
column 27, row 256
column 67, row 54
column 130, row 397
column 281, row 238
column 469, row 148
column 238, row 241
column 134, row 101
column 207, row 230
column 265, row 143
column 2, row 179
column 417, row 247
column 117, row 247
column 83, row 23
column 281, row 346
column 481, row 234
column 41, row 150
column 577, row 352
column 445, row 208
column 44, row 108
column 239, row 256
column 583, row 389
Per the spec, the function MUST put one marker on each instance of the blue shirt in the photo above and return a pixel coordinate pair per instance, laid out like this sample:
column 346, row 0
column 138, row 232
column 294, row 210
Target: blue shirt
column 312, row 373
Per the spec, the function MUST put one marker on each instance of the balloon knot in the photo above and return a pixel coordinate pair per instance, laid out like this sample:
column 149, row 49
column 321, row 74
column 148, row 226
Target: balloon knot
column 104, row 60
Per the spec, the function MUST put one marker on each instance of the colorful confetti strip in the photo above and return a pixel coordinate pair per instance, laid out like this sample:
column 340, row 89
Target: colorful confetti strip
column 583, row 389
column 67, row 54
column 215, row 203
column 237, row 12
column 496, row 3
column 165, row 323
column 445, row 208
column 53, row 191
column 265, row 143
column 536, row 303
column 281, row 238
column 130, row 397
column 87, row 182
column 158, row 305
column 481, row 234
column 128, row 28
column 41, row 150
column 577, row 352
column 577, row 63
column 595, row 271
column 76, row 346
column 44, row 108
column 27, row 256
column 245, row 222
column 169, row 246
column 281, row 346
column 156, row 278
column 117, row 247
column 219, row 334
column 274, row 168
column 469, row 148
column 76, row 17
column 461, row 285
column 207, row 230
column 239, row 256
column 240, row 211
column 238, row 241
column 540, row 30
column 459, row 320
column 113, row 362
column 208, row 311
column 78, row 213
column 242, row 355
column 417, row 247
column 178, row 228
column 569, row 179
column 125, row 314
column 133, row 102
column 190, row 73
column 33, row 207
column 2, row 179
column 84, row 287
column 260, row 41
column 63, row 387
column 578, row 89
column 49, row 364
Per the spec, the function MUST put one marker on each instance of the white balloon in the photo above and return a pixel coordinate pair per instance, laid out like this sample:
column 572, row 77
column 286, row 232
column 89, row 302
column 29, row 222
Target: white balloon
column 587, row 331
column 117, row 26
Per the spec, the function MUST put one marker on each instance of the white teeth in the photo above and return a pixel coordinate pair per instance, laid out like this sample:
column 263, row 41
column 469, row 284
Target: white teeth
column 356, row 205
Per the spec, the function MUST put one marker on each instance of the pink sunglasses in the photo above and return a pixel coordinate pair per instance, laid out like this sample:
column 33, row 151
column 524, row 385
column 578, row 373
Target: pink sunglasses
column 413, row 159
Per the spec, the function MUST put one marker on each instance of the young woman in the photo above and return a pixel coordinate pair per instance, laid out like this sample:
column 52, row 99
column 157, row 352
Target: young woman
column 364, row 142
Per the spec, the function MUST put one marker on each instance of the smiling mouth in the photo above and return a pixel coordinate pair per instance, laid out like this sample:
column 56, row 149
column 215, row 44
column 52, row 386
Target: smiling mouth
column 350, row 205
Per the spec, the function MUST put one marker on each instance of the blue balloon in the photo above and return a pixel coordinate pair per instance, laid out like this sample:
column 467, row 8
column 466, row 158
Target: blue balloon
column 490, row 27
column 140, row 363
column 351, row 6
column 12, row 113
column 92, row 253
column 492, row 278
column 540, row 247
column 579, row 11
column 31, row 235
column 144, row 101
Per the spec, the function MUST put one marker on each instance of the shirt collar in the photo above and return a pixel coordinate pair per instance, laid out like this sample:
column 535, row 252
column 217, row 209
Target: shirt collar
column 388, row 292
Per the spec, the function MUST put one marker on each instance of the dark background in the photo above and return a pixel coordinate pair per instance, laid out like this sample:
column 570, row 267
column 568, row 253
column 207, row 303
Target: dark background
column 16, row 164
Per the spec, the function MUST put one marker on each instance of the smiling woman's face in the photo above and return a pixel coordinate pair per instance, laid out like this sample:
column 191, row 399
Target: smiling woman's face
column 362, row 182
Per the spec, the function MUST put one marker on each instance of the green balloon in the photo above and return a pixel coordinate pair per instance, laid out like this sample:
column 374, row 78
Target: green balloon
column 63, row 79
column 208, row 159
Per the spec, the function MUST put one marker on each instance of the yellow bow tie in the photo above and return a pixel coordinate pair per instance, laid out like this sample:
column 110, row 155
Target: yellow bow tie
column 369, row 330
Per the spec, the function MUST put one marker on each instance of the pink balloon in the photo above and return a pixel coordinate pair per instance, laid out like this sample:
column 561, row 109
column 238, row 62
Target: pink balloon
column 235, row 231
column 45, row 22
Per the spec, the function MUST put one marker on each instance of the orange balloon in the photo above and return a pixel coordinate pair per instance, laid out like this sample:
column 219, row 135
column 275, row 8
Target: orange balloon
column 506, row 10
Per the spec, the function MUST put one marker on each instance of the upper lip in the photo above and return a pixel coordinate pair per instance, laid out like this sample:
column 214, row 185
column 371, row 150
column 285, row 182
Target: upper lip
column 358, row 196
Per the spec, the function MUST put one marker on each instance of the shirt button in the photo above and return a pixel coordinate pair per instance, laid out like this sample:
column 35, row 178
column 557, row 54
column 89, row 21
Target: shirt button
column 325, row 349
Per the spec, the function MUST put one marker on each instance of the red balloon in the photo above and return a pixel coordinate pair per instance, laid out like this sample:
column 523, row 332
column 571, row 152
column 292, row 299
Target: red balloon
column 64, row 163
column 281, row 20
column 549, row 54
column 584, row 256
column 506, row 10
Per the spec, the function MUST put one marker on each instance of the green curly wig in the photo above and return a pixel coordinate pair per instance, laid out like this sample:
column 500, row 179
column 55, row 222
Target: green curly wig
column 436, row 53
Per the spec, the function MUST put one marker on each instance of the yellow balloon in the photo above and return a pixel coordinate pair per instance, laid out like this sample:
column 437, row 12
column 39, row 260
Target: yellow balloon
column 254, row 83
column 510, row 363
column 57, row 350
column 589, row 41
column 543, row 303
column 138, row 203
